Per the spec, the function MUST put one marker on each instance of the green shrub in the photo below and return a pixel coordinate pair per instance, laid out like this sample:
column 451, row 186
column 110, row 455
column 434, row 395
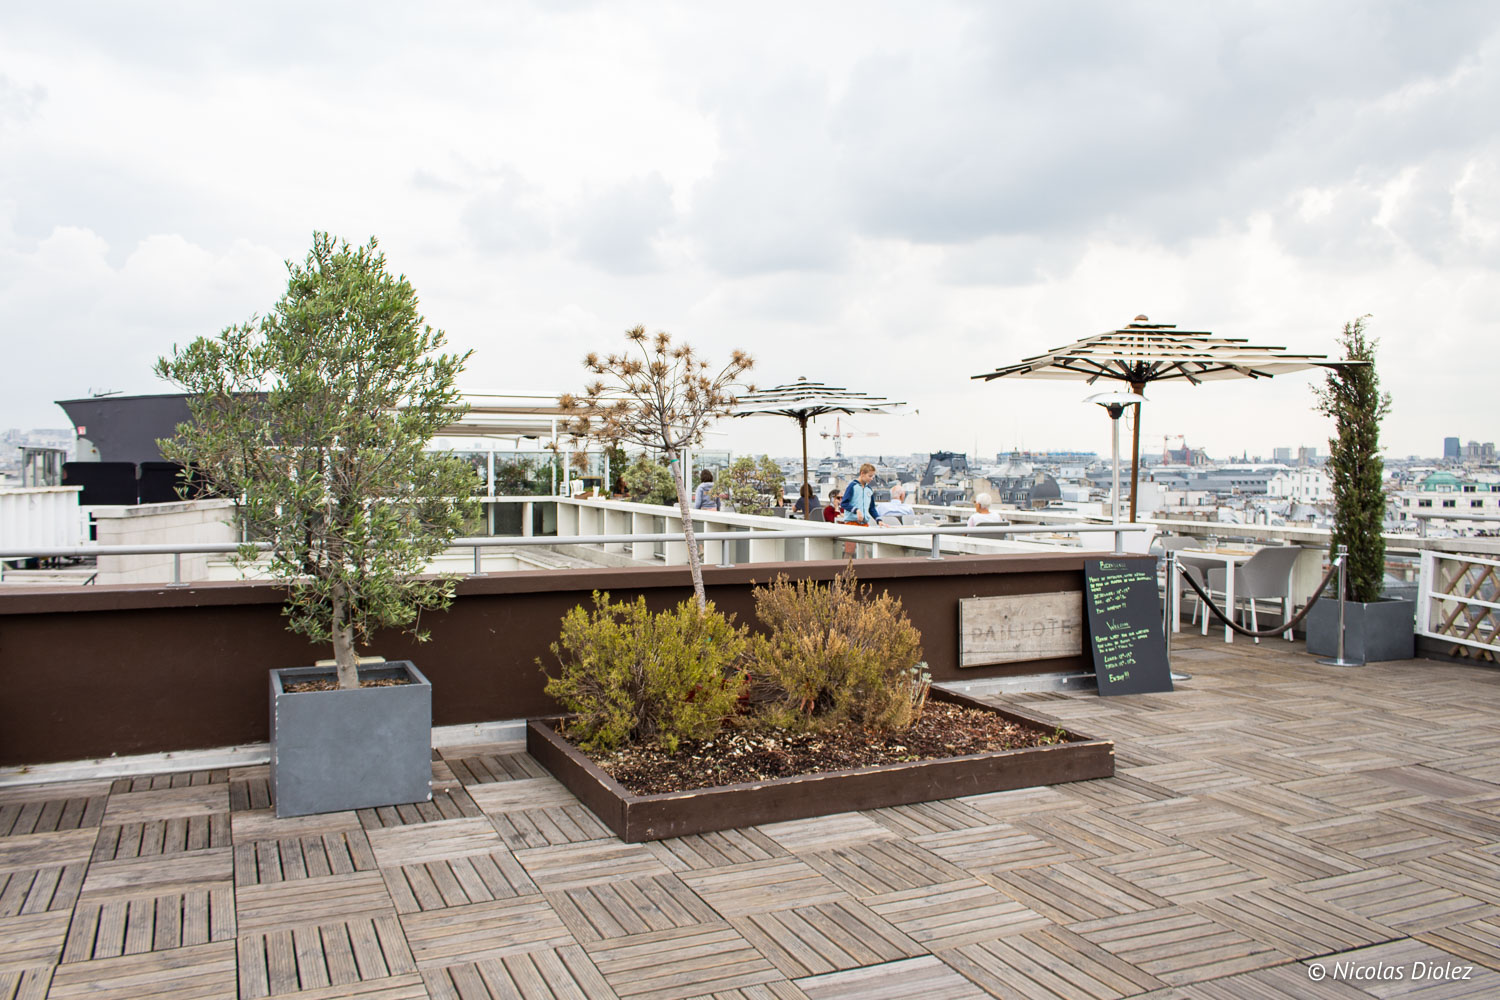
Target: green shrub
column 651, row 482
column 632, row 676
column 836, row 653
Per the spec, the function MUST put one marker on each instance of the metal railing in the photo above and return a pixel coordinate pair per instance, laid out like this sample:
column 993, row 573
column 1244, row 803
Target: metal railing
column 478, row 544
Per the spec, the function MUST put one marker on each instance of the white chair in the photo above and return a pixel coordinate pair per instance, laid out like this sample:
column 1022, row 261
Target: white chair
column 1265, row 576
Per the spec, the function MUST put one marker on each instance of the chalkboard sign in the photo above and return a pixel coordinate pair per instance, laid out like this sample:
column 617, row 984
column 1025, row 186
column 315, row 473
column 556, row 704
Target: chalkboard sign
column 1125, row 627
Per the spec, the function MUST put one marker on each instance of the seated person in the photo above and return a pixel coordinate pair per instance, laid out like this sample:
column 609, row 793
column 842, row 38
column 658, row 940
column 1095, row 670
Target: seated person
column 982, row 513
column 807, row 503
column 896, row 508
column 831, row 512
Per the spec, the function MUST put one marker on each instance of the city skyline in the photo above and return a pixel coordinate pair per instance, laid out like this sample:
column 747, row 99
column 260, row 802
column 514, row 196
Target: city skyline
column 853, row 193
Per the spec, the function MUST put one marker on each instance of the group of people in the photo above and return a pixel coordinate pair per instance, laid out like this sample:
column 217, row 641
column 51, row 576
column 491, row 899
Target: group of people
column 855, row 505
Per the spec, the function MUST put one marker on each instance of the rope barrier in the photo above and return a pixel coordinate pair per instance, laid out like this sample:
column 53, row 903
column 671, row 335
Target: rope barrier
column 1263, row 633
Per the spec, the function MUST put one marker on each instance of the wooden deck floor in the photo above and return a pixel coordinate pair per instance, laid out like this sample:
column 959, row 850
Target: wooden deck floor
column 1276, row 828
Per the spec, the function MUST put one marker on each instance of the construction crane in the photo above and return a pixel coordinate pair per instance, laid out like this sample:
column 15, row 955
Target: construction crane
column 838, row 434
column 1166, row 450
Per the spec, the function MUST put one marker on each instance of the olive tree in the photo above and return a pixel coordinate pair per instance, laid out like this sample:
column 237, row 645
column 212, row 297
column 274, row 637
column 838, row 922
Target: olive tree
column 1351, row 396
column 660, row 396
column 317, row 420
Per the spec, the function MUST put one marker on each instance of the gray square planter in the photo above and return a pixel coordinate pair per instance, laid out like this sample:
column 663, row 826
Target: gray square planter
column 337, row 750
column 1379, row 630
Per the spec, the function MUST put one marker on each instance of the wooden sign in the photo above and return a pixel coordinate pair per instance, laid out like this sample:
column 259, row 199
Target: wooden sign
column 1125, row 626
column 1020, row 627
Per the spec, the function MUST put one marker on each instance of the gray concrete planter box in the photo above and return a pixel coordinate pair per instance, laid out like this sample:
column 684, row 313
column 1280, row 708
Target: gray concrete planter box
column 338, row 750
column 1379, row 630
column 636, row 818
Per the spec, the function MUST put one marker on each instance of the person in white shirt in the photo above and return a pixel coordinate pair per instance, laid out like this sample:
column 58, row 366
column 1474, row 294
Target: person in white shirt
column 982, row 513
column 896, row 507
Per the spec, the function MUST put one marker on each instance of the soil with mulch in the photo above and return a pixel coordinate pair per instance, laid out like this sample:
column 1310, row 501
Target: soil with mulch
column 740, row 755
column 333, row 685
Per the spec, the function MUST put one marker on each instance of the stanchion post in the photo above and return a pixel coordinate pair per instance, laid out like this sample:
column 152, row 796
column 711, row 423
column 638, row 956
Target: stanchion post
column 1342, row 558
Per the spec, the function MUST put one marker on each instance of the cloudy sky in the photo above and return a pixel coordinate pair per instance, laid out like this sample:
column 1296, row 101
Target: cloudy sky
column 892, row 197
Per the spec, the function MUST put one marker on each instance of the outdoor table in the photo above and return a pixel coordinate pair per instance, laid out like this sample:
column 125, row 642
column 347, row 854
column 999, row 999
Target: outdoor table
column 1206, row 559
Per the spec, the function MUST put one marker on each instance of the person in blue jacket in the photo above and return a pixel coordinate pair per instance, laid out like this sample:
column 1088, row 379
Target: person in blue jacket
column 858, row 504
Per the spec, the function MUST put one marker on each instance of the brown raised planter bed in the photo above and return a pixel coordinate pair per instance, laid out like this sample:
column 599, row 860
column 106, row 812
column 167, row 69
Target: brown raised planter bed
column 635, row 818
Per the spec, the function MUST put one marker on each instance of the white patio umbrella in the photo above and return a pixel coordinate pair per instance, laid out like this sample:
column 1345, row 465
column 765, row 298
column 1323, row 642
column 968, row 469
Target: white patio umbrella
column 803, row 400
column 1143, row 352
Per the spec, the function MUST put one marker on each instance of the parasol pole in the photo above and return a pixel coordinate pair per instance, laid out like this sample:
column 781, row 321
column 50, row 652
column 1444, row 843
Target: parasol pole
column 1139, row 388
column 802, row 422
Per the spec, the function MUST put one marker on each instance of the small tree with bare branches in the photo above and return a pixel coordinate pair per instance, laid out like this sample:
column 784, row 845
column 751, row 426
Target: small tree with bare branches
column 663, row 400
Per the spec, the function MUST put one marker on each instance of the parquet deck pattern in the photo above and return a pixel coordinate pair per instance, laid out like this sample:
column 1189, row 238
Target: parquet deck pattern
column 1276, row 828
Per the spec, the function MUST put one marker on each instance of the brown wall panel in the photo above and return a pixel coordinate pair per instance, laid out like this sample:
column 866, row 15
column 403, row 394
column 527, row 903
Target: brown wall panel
column 90, row 671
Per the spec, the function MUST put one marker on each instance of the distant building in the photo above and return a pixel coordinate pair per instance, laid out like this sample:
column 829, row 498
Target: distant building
column 1452, row 452
column 945, row 466
column 1447, row 495
column 1029, row 492
column 1302, row 485
column 1307, row 456
column 1282, row 455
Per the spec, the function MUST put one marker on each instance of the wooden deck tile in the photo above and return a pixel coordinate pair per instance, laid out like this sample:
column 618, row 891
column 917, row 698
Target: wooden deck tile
column 1181, row 873
column 153, row 838
column 18, row 817
column 995, row 848
column 1472, row 872
column 679, row 963
column 1269, row 767
column 1177, row 945
column 824, row 832
column 955, row 914
column 1273, row 983
column 1108, row 793
column 1070, row 892
column 166, row 803
column 1280, row 856
column 521, row 794
column 173, row 779
column 1397, row 900
column 1336, row 757
column 1093, row 834
column 275, row 905
column 32, row 940
column 1190, row 777
column 1452, row 819
column 550, row 974
column 45, row 850
column 1280, row 806
column 1375, row 839
column 410, row 845
column 564, row 824
column 781, row 989
column 811, row 940
column 929, row 817
column 881, row 866
column 486, row 768
column 46, row 791
column 159, row 875
column 1475, row 941
column 482, row 931
column 1007, row 806
column 1292, row 922
column 778, row 883
column 610, row 910
column 716, row 850
column 1186, row 817
column 473, row 878
column 25, row 984
column 924, row 977
column 1356, row 792
column 1426, row 981
column 408, row 987
column 203, row 972
column 114, row 926
column 260, row 862
column 574, row 865
column 354, row 957
column 40, row 890
column 263, row 824
column 447, row 803
column 251, row 792
column 1048, row 963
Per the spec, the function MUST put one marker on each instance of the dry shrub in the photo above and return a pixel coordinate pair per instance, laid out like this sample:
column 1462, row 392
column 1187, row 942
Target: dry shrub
column 632, row 676
column 836, row 653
